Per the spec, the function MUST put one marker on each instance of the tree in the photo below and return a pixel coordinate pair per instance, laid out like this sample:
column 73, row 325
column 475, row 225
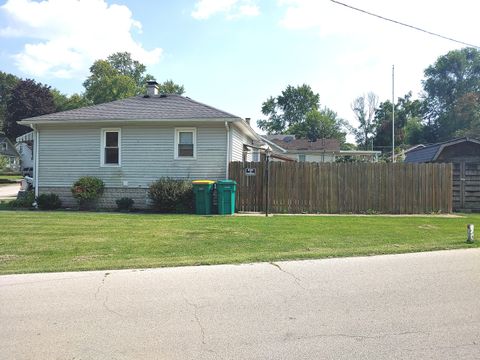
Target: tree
column 7, row 83
column 288, row 109
column 119, row 77
column 450, row 84
column 169, row 87
column 107, row 84
column 123, row 63
column 407, row 112
column 364, row 109
column 64, row 102
column 320, row 124
column 27, row 99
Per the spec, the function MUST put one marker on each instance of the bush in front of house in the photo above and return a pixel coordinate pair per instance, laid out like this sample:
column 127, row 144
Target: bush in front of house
column 23, row 201
column 170, row 195
column 125, row 204
column 49, row 201
column 87, row 190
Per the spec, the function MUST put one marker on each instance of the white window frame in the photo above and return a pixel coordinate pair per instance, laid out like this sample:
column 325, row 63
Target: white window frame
column 103, row 143
column 177, row 140
column 300, row 157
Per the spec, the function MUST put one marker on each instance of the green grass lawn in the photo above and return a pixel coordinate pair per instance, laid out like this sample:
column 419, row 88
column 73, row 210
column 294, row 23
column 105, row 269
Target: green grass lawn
column 11, row 176
column 33, row 241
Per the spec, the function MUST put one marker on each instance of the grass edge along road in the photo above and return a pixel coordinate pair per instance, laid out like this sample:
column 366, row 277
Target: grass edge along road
column 35, row 241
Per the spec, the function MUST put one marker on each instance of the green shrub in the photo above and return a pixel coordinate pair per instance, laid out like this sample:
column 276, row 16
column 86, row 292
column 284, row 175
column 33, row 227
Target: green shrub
column 87, row 190
column 169, row 195
column 23, row 201
column 125, row 204
column 49, row 202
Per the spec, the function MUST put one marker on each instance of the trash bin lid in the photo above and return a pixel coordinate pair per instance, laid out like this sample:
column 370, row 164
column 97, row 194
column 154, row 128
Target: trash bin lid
column 226, row 182
column 203, row 182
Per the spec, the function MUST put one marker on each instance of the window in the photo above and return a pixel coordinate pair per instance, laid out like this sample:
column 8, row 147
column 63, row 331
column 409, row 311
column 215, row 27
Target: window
column 185, row 143
column 111, row 147
column 301, row 157
column 256, row 156
column 4, row 146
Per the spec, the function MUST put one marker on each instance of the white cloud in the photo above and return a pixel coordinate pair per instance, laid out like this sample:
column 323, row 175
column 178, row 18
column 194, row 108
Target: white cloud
column 66, row 36
column 365, row 47
column 232, row 9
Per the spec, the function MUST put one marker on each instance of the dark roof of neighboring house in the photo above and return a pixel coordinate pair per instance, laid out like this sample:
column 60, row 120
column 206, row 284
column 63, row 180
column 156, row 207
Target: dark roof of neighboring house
column 157, row 107
column 431, row 152
column 11, row 151
column 304, row 144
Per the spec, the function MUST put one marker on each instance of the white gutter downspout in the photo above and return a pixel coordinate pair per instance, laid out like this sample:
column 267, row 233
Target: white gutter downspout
column 36, row 158
column 227, row 126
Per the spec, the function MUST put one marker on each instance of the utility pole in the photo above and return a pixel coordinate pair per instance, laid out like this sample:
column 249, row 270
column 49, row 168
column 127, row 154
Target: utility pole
column 393, row 113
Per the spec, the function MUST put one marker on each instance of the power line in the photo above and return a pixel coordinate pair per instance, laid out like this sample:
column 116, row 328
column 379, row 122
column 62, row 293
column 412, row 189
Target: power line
column 406, row 25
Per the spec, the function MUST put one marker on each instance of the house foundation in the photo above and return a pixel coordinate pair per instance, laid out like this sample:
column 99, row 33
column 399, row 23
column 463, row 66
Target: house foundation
column 108, row 198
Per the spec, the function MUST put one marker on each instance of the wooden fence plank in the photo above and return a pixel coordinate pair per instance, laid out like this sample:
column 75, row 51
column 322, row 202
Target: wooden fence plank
column 337, row 188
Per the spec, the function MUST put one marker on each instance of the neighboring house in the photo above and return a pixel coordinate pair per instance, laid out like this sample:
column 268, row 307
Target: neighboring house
column 464, row 153
column 132, row 142
column 7, row 150
column 24, row 146
column 322, row 150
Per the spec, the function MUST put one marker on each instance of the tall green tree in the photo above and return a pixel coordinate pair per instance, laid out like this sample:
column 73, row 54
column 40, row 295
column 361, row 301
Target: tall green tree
column 105, row 84
column 7, row 83
column 123, row 63
column 320, row 124
column 27, row 99
column 364, row 108
column 64, row 102
column 451, row 87
column 119, row 77
column 169, row 87
column 408, row 126
column 288, row 109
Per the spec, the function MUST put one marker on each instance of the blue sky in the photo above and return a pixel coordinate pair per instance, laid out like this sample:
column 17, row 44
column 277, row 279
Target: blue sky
column 234, row 54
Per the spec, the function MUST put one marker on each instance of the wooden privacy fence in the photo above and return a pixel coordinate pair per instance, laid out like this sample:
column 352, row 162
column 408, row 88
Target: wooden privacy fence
column 297, row 187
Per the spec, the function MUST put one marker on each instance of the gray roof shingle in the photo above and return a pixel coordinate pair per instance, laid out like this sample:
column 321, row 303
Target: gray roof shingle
column 158, row 107
column 422, row 155
column 427, row 153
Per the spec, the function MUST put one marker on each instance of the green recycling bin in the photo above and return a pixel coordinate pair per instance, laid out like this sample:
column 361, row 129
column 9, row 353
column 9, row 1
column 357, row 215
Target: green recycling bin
column 203, row 190
column 226, row 196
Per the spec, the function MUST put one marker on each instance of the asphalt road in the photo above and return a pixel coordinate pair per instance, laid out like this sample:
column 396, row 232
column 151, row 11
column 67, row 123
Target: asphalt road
column 415, row 306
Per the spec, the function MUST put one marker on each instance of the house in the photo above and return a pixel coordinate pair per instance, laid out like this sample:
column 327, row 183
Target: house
column 321, row 150
column 7, row 150
column 132, row 142
column 464, row 153
column 24, row 146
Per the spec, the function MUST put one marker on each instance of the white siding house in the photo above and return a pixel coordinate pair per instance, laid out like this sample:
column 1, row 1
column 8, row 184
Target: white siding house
column 8, row 151
column 24, row 146
column 132, row 142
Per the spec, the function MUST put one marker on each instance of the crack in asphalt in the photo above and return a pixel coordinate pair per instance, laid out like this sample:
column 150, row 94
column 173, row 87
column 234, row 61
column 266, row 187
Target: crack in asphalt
column 102, row 283
column 197, row 319
column 356, row 337
column 295, row 278
column 105, row 300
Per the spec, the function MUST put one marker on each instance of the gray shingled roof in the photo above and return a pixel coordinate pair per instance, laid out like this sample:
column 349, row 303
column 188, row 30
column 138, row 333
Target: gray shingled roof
column 427, row 153
column 158, row 107
column 422, row 155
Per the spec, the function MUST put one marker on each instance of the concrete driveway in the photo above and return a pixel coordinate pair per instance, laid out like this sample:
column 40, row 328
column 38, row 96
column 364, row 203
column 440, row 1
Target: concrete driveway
column 415, row 306
column 9, row 191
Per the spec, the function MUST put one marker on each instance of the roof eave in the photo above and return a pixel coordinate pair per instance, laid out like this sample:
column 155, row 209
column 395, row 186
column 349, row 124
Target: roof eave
column 32, row 121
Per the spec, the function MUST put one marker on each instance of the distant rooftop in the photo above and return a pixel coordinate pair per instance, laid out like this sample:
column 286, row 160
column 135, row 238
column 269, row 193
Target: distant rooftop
column 289, row 142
